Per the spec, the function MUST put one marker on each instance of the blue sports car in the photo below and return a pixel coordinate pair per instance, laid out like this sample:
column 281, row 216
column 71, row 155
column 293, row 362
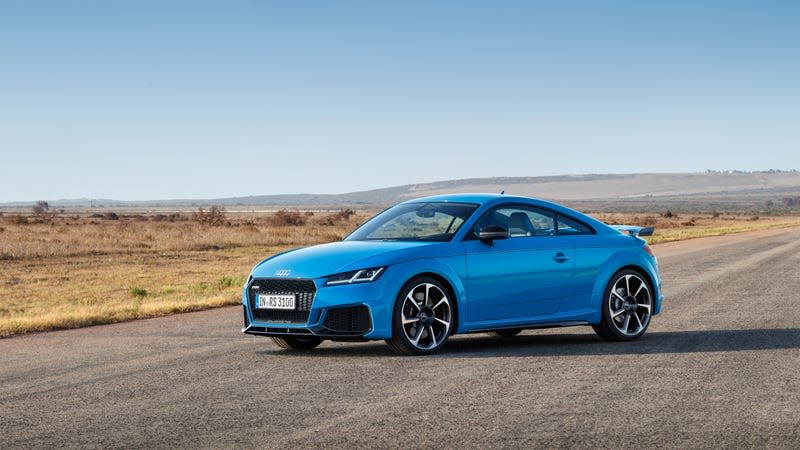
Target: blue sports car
column 428, row 268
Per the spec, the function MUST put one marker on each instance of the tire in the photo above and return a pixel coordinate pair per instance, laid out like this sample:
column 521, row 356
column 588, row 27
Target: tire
column 626, row 307
column 297, row 343
column 506, row 332
column 422, row 317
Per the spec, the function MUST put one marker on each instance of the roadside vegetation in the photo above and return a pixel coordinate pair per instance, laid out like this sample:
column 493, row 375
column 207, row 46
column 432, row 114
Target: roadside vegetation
column 77, row 270
column 671, row 226
column 65, row 270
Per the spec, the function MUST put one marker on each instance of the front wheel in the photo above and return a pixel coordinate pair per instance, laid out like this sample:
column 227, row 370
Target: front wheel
column 627, row 306
column 422, row 317
column 297, row 343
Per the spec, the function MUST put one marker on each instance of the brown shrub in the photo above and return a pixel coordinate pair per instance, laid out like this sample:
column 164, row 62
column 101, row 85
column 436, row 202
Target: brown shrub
column 41, row 212
column 215, row 216
column 172, row 217
column 284, row 218
column 19, row 219
column 111, row 216
column 649, row 221
column 343, row 215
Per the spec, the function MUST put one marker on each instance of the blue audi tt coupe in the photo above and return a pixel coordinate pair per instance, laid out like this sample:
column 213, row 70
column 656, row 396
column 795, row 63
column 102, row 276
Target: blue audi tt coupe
column 428, row 268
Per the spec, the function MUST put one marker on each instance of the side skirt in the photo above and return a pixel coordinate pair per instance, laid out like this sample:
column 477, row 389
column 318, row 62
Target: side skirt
column 571, row 323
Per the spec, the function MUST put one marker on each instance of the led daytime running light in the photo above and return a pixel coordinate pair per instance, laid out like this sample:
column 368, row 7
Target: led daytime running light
column 359, row 276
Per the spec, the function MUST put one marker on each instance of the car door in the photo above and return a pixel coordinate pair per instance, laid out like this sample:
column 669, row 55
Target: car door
column 524, row 276
column 590, row 255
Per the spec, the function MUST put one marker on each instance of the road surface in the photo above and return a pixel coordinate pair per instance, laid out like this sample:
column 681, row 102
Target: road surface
column 719, row 367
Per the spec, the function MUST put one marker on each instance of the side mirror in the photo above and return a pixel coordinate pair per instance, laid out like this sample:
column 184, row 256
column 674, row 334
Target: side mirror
column 490, row 233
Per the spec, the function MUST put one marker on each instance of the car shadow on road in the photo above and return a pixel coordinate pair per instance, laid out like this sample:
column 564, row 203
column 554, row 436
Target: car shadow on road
column 658, row 342
column 581, row 344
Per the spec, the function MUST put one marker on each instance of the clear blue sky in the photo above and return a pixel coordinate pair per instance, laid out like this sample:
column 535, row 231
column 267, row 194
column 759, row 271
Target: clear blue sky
column 157, row 99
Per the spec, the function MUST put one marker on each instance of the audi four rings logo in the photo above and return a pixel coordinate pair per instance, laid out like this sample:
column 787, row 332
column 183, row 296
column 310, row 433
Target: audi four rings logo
column 282, row 273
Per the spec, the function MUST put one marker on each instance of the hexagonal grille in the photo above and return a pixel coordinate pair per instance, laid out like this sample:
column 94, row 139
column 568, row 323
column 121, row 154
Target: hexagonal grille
column 303, row 289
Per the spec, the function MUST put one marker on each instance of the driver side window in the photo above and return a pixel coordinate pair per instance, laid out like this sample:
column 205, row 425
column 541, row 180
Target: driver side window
column 520, row 221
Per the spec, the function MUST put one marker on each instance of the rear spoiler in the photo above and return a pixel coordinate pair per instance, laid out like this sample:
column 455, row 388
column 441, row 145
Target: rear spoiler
column 634, row 231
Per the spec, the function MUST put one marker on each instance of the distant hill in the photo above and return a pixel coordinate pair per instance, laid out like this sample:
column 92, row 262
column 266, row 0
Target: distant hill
column 572, row 189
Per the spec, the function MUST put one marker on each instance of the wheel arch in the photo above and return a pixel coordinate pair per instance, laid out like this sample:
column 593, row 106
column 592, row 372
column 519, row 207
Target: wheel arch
column 642, row 271
column 450, row 291
column 450, row 272
column 622, row 261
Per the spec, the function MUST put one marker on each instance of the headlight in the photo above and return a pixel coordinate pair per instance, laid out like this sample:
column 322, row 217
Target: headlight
column 356, row 276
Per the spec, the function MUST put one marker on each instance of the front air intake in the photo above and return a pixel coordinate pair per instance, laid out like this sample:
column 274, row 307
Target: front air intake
column 351, row 320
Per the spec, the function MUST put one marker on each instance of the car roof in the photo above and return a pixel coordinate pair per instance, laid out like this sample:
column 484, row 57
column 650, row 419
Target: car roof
column 492, row 199
column 464, row 198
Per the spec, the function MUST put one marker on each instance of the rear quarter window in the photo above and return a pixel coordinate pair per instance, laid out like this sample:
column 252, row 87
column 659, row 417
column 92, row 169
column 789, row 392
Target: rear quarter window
column 571, row 227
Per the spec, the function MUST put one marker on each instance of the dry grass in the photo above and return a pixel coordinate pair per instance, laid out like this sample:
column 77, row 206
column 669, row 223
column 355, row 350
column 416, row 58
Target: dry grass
column 80, row 271
column 86, row 271
column 678, row 228
column 103, row 237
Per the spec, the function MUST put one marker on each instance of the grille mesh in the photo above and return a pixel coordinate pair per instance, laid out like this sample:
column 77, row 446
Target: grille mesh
column 348, row 320
column 303, row 289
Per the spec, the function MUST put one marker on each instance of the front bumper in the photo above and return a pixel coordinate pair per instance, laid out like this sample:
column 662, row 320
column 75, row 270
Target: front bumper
column 345, row 312
column 343, row 322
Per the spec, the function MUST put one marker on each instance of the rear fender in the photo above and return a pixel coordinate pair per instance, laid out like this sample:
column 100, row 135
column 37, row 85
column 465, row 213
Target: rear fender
column 619, row 260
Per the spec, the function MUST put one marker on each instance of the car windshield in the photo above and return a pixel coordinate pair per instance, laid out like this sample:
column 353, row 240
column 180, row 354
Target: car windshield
column 434, row 221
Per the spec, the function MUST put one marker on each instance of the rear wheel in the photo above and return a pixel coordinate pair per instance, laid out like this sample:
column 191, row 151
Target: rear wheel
column 506, row 332
column 297, row 342
column 422, row 317
column 627, row 306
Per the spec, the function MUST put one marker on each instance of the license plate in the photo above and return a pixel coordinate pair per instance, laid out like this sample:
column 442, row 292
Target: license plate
column 270, row 301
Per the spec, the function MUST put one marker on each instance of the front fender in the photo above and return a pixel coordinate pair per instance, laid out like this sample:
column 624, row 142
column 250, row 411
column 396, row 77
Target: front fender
column 452, row 269
column 617, row 261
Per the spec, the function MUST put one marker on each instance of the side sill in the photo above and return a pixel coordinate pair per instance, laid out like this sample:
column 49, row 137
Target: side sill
column 571, row 323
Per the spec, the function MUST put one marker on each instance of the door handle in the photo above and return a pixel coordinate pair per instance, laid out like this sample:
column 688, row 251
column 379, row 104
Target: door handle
column 560, row 257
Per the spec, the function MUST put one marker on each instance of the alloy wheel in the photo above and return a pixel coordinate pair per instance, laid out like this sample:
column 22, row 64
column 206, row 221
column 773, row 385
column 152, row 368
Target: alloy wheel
column 629, row 304
column 426, row 316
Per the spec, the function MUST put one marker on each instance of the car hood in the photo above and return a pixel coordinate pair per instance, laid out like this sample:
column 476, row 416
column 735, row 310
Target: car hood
column 336, row 257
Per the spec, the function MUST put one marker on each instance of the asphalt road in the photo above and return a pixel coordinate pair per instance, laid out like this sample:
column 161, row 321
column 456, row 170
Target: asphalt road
column 720, row 367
